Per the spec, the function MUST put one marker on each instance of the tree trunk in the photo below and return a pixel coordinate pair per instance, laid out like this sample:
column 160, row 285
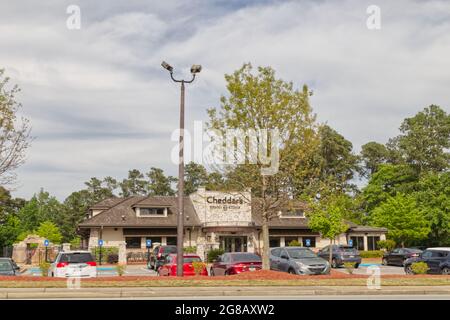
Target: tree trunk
column 266, row 243
column 331, row 250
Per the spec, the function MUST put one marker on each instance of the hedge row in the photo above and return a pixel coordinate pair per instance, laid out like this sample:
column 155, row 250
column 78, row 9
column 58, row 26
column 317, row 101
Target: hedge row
column 371, row 254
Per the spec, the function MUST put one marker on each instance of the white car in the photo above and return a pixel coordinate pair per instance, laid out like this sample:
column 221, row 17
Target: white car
column 73, row 264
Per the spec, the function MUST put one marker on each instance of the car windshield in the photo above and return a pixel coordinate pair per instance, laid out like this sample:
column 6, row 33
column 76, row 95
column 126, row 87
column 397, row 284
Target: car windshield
column 413, row 250
column 191, row 259
column 5, row 266
column 77, row 257
column 245, row 257
column 346, row 249
column 300, row 253
column 169, row 249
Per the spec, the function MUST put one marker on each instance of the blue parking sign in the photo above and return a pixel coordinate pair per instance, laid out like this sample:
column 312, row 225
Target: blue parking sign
column 308, row 242
column 350, row 243
column 100, row 242
column 148, row 243
column 46, row 243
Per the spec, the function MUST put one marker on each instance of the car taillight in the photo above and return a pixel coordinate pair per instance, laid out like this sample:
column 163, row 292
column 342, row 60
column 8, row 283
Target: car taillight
column 241, row 266
column 159, row 255
column 415, row 255
column 91, row 263
column 62, row 264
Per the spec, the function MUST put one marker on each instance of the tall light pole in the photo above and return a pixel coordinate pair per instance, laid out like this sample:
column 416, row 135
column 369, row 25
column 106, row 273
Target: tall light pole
column 180, row 219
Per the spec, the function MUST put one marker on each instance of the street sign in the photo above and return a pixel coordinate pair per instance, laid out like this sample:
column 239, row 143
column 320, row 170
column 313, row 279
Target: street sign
column 148, row 243
column 100, row 242
column 350, row 243
column 46, row 243
column 308, row 242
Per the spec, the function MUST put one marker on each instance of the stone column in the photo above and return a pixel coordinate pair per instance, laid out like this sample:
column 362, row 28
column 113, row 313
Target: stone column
column 366, row 246
column 122, row 252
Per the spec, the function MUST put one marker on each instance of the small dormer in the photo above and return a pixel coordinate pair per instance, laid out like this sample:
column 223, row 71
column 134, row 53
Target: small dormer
column 292, row 213
column 151, row 212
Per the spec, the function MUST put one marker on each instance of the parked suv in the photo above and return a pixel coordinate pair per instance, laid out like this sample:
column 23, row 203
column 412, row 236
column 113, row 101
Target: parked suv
column 297, row 260
column 437, row 259
column 398, row 256
column 340, row 255
column 8, row 267
column 158, row 254
column 73, row 264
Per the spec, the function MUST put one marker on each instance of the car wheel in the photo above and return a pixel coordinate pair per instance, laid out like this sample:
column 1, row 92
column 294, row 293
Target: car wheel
column 291, row 271
column 356, row 265
column 334, row 263
column 445, row 270
column 211, row 272
column 408, row 269
column 384, row 262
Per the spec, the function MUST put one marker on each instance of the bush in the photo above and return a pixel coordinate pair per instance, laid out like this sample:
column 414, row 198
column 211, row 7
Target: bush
column 198, row 267
column 75, row 243
column 213, row 254
column 106, row 251
column 112, row 258
column 120, row 269
column 294, row 243
column 190, row 249
column 371, row 254
column 419, row 268
column 44, row 266
column 349, row 266
column 386, row 244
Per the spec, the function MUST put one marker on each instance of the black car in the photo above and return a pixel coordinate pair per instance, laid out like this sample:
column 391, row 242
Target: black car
column 158, row 254
column 340, row 255
column 398, row 256
column 437, row 259
column 8, row 267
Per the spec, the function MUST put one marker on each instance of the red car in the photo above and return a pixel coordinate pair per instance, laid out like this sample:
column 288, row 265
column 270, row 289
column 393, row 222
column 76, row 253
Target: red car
column 169, row 267
column 235, row 262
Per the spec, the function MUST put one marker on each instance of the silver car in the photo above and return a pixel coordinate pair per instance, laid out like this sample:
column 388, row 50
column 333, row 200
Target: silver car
column 297, row 260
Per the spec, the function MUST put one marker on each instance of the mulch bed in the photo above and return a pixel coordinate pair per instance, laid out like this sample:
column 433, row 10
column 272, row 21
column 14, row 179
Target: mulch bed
column 255, row 275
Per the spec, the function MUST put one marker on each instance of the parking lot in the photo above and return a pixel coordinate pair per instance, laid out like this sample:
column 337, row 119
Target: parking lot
column 368, row 269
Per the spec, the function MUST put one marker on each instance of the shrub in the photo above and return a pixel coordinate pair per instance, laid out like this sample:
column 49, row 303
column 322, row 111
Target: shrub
column 190, row 249
column 106, row 251
column 419, row 268
column 120, row 269
column 75, row 243
column 44, row 266
column 294, row 243
column 198, row 267
column 213, row 254
column 371, row 254
column 112, row 258
column 386, row 244
column 349, row 266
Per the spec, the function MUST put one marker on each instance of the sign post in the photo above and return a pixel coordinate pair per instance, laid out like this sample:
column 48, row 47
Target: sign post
column 148, row 244
column 46, row 243
column 308, row 242
column 100, row 244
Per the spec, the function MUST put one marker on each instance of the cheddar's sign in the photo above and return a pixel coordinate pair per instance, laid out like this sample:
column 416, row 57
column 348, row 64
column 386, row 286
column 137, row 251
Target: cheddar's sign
column 224, row 200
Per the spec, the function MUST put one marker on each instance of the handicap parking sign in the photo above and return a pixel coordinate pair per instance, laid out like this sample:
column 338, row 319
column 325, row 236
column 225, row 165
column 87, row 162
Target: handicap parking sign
column 46, row 243
column 149, row 243
column 350, row 243
column 308, row 242
column 100, row 242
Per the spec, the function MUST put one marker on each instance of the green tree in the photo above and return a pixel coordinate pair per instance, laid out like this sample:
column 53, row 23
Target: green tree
column 373, row 154
column 327, row 217
column 134, row 185
column 425, row 140
column 159, row 183
column 405, row 221
column 261, row 101
column 195, row 176
column 14, row 132
column 50, row 231
column 10, row 230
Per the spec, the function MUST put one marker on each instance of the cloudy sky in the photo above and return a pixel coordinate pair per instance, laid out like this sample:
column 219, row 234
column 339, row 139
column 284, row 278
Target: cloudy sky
column 100, row 103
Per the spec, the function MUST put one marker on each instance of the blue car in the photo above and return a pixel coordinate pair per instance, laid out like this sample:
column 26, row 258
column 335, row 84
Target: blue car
column 8, row 267
column 437, row 259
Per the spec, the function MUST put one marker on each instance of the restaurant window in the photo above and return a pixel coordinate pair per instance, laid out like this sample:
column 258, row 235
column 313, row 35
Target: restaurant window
column 288, row 240
column 274, row 242
column 171, row 241
column 311, row 242
column 152, row 212
column 358, row 243
column 372, row 243
column 133, row 242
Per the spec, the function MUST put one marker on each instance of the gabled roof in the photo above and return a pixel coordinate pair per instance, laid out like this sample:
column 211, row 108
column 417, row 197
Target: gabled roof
column 122, row 214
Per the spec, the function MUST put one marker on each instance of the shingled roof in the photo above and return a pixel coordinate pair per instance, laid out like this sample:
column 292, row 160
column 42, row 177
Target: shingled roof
column 121, row 213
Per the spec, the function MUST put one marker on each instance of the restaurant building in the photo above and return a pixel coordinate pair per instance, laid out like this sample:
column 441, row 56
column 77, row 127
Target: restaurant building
column 230, row 221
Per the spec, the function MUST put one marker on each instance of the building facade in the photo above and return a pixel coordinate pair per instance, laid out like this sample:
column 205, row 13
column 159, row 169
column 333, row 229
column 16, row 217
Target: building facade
column 230, row 221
